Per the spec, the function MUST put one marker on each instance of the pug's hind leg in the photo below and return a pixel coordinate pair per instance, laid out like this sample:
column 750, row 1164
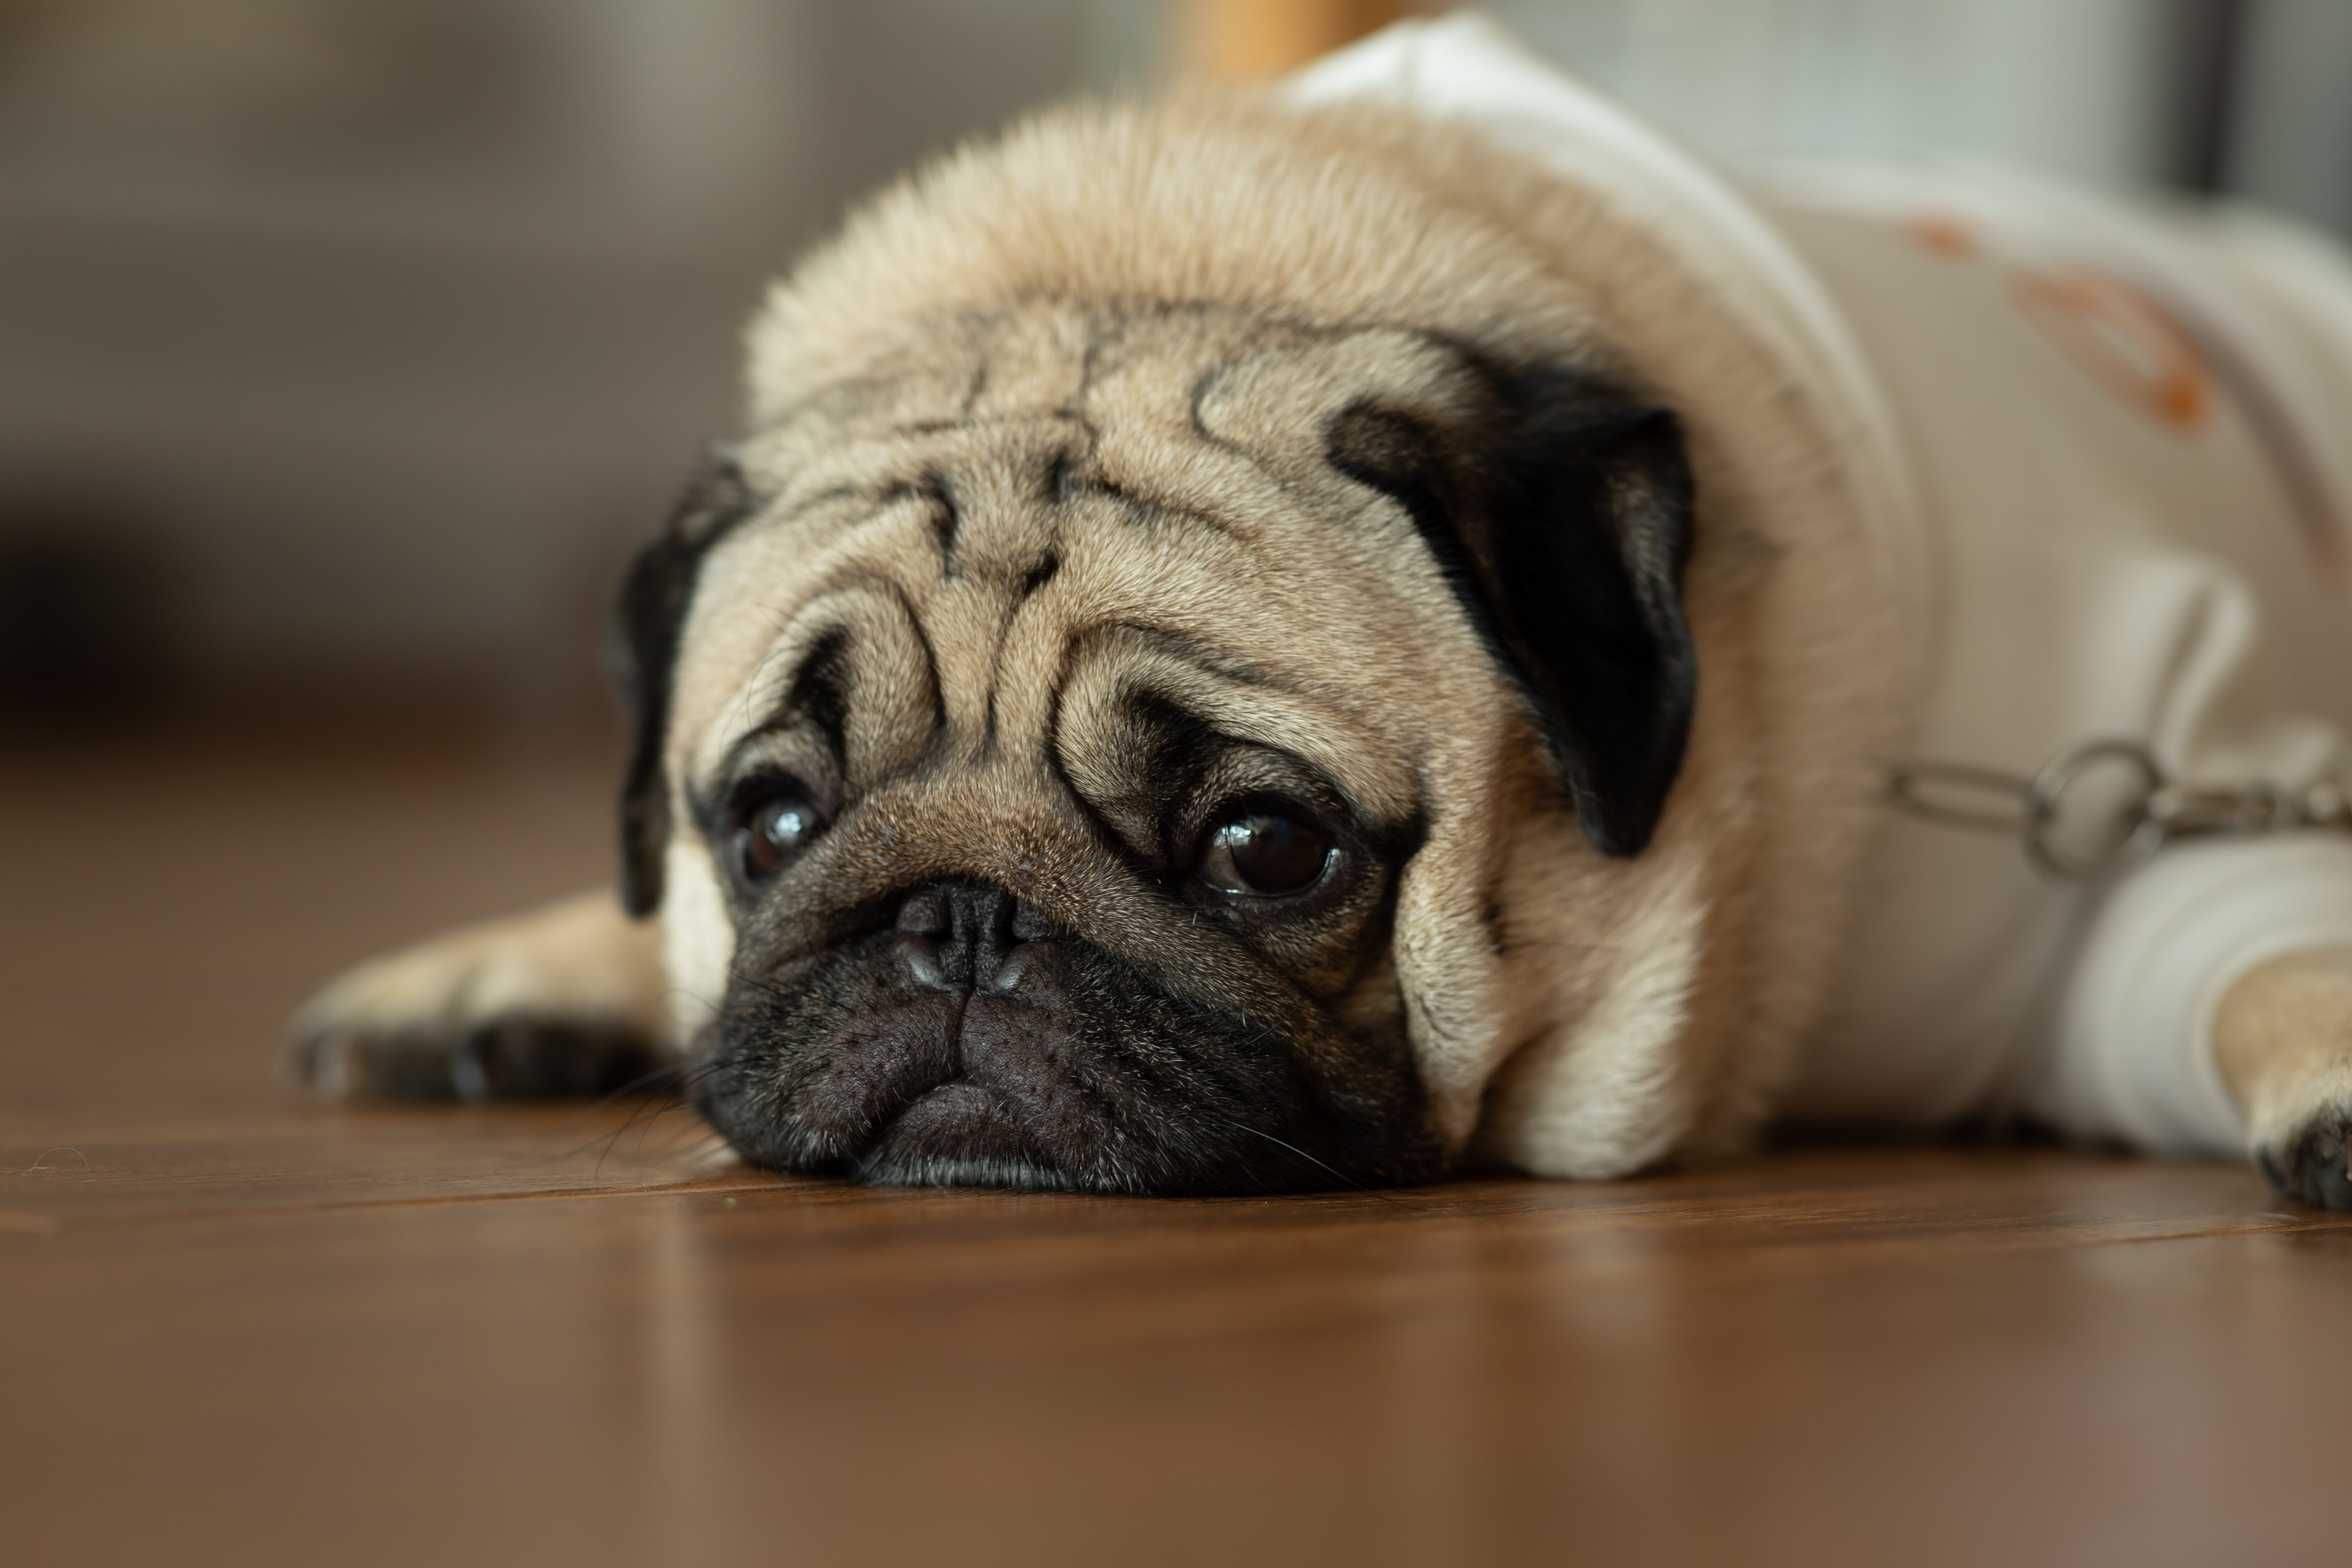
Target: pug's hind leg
column 2283, row 1041
column 565, row 1000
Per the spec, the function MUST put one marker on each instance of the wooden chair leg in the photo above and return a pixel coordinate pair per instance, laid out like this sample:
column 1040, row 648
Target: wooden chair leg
column 1265, row 38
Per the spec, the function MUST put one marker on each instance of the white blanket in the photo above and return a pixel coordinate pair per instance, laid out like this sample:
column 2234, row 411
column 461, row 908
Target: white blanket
column 2113, row 453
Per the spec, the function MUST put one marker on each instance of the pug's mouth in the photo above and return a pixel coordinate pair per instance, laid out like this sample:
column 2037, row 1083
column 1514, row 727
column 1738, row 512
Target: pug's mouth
column 948, row 1090
column 958, row 1126
column 945, row 1091
column 1043, row 1062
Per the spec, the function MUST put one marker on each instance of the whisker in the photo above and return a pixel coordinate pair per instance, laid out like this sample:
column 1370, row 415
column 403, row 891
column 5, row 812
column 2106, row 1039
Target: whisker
column 636, row 1084
column 688, row 1077
column 1344, row 1179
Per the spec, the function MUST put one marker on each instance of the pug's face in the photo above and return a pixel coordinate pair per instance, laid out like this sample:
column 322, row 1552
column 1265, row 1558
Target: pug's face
column 1049, row 740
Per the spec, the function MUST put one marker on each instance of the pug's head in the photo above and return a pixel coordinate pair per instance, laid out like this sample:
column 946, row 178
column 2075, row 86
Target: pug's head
column 1081, row 744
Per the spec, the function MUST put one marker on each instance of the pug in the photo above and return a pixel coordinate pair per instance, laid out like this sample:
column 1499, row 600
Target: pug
column 1312, row 636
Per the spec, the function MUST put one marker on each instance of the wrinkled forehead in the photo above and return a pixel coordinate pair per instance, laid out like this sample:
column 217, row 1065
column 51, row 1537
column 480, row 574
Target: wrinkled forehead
column 944, row 373
column 1163, row 468
column 1232, row 376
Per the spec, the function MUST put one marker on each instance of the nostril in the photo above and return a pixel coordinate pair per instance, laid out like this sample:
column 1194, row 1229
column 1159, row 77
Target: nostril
column 1010, row 970
column 1029, row 925
column 922, row 958
column 925, row 912
column 955, row 935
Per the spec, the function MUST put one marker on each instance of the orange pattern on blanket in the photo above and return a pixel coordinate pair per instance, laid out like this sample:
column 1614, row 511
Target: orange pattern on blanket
column 2122, row 340
column 1945, row 235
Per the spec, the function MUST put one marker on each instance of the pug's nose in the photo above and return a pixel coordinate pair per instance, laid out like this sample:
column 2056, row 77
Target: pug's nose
column 968, row 936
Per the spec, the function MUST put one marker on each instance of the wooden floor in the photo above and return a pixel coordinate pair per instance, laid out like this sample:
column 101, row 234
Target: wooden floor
column 239, row 1328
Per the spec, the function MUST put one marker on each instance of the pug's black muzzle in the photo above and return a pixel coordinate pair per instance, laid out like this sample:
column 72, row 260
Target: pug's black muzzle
column 974, row 1043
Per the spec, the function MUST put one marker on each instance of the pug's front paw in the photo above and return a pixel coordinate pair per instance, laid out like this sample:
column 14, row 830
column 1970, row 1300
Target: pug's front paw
column 2283, row 1040
column 562, row 1002
column 2313, row 1163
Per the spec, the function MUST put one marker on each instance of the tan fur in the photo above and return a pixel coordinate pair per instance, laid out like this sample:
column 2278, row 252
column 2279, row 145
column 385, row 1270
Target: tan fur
column 1622, row 1051
column 577, row 959
column 1635, row 1010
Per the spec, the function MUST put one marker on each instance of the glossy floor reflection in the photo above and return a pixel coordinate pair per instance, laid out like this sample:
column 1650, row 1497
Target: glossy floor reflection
column 236, row 1327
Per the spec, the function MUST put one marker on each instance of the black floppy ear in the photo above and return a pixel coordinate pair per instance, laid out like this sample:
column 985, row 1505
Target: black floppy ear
column 1562, row 519
column 643, row 653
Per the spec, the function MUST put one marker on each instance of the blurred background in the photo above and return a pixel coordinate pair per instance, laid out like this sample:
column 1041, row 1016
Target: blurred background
column 347, row 346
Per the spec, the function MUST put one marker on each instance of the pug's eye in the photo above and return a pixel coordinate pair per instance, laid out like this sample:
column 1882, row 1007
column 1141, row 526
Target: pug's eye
column 770, row 827
column 1267, row 852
